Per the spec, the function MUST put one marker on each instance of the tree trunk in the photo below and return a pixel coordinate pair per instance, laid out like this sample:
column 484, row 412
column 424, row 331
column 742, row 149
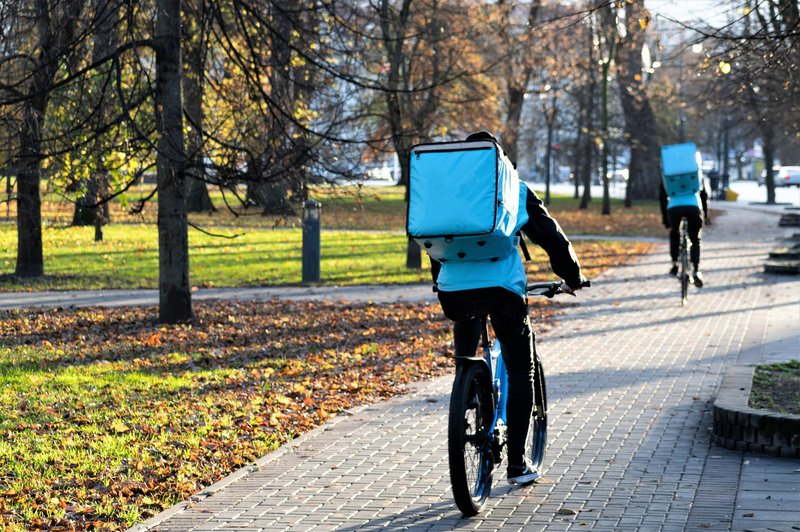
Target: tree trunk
column 586, row 173
column 633, row 168
column 725, row 175
column 588, row 144
column 606, row 137
column 769, row 161
column 105, row 42
column 551, row 115
column 175, row 295
column 272, row 195
column 577, row 161
column 52, row 36
column 30, row 260
column 516, row 98
column 86, row 207
column 198, row 199
column 644, row 178
column 413, row 251
column 609, row 26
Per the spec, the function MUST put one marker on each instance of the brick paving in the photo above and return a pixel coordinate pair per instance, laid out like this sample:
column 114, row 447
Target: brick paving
column 631, row 379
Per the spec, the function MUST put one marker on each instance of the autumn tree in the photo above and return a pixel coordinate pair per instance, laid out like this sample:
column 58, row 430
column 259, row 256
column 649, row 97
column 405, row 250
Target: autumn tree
column 756, row 59
column 196, row 21
column 518, row 54
column 608, row 40
column 87, row 125
column 44, row 36
column 644, row 172
column 428, row 75
column 270, row 86
column 174, row 289
column 97, row 92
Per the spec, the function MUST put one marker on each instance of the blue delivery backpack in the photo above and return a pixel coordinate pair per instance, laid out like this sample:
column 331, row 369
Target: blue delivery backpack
column 463, row 201
column 680, row 166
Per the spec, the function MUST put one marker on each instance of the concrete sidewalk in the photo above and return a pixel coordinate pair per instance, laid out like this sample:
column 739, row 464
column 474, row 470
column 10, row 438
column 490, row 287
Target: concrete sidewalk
column 631, row 379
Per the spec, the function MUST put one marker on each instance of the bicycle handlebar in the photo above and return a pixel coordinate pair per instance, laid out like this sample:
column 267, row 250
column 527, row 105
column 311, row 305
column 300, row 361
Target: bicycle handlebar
column 551, row 289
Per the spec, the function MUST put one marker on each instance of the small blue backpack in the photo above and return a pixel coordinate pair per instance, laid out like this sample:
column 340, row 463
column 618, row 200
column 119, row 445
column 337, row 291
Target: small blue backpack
column 463, row 200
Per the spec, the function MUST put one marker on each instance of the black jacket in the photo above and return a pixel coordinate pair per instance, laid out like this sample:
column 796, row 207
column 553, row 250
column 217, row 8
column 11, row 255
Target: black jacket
column 663, row 199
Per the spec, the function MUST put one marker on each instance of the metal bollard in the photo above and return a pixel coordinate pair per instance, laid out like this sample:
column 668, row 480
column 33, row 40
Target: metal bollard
column 311, row 241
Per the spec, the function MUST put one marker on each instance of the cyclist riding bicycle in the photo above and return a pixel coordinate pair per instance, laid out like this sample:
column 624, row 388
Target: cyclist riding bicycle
column 467, row 290
column 687, row 205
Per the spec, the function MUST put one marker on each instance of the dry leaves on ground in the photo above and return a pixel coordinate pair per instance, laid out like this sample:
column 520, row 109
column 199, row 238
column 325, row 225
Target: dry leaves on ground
column 107, row 418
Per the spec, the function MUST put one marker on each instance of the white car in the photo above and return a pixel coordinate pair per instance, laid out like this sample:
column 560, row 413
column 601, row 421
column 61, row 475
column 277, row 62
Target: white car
column 785, row 176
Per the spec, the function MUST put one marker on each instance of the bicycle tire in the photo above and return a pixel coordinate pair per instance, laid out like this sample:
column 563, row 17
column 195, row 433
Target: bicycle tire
column 536, row 442
column 468, row 439
column 684, row 260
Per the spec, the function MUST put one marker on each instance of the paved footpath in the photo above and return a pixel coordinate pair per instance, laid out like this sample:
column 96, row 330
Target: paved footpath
column 631, row 379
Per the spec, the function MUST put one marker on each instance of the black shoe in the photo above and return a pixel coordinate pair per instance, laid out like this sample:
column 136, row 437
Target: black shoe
column 698, row 279
column 674, row 270
column 522, row 475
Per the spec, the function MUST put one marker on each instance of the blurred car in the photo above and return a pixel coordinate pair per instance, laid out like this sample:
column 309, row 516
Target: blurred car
column 785, row 176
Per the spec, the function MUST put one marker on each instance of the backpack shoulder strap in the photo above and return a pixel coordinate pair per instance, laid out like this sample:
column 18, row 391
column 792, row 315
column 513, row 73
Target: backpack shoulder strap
column 523, row 246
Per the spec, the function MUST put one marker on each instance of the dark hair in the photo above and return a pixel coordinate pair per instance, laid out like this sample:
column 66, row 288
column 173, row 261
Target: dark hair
column 482, row 135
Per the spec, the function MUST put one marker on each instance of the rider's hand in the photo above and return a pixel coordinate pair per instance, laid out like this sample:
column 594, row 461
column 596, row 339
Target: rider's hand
column 567, row 289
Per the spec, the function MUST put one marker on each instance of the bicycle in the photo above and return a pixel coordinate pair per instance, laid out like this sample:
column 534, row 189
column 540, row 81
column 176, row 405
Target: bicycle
column 684, row 275
column 476, row 432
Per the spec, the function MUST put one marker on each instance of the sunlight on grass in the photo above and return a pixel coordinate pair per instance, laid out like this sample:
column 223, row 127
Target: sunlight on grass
column 128, row 258
column 105, row 420
column 107, row 417
column 364, row 243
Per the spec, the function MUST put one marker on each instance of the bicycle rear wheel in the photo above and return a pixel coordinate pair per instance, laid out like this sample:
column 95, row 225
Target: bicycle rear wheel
column 684, row 260
column 468, row 438
column 537, row 432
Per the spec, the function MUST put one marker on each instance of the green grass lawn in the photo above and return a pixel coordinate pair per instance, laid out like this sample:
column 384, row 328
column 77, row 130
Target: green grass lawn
column 343, row 207
column 128, row 258
column 381, row 208
column 363, row 242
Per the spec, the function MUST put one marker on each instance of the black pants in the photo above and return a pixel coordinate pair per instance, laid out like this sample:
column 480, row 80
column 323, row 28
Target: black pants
column 695, row 226
column 509, row 317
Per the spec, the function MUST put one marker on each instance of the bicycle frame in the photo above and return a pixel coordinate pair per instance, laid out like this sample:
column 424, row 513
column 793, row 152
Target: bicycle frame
column 492, row 356
column 495, row 363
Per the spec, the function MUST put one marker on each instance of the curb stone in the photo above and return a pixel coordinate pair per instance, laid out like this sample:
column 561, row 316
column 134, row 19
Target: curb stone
column 741, row 428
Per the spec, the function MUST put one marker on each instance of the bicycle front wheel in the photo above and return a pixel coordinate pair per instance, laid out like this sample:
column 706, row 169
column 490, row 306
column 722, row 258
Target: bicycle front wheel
column 468, row 438
column 537, row 430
